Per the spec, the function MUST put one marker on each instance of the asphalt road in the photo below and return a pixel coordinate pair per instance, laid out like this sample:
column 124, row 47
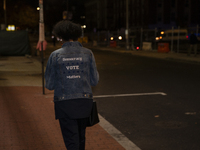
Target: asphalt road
column 152, row 122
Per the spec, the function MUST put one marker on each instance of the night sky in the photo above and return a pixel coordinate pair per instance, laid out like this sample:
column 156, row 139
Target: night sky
column 35, row 3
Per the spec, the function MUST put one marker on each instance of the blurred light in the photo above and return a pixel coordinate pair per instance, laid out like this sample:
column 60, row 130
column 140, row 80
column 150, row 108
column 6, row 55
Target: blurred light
column 11, row 28
column 58, row 39
column 157, row 38
column 120, row 37
column 187, row 36
column 83, row 26
column 162, row 32
column 111, row 38
column 82, row 17
column 160, row 37
column 137, row 47
column 38, row 8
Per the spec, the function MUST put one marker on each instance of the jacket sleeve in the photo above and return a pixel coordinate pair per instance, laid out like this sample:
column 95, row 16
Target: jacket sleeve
column 94, row 75
column 50, row 73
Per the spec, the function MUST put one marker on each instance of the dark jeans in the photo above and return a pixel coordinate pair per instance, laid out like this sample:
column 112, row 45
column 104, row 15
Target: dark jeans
column 73, row 131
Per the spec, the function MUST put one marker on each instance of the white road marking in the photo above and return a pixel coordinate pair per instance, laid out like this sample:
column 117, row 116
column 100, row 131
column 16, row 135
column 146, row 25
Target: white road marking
column 117, row 135
column 120, row 95
column 134, row 94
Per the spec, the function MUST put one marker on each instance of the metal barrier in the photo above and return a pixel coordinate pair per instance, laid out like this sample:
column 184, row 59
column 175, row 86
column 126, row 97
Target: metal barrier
column 176, row 37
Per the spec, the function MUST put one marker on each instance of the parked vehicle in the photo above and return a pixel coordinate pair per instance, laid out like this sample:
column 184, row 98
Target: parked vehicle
column 176, row 34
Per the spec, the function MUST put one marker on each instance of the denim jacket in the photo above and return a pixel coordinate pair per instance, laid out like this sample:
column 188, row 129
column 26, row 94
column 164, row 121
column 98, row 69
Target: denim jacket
column 71, row 71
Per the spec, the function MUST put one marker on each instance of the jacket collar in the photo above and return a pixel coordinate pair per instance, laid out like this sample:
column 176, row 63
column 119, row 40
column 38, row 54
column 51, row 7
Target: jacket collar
column 74, row 44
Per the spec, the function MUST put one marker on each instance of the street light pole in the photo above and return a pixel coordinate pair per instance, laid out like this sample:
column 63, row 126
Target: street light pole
column 5, row 17
column 127, row 26
column 41, row 39
column 42, row 42
column 67, row 5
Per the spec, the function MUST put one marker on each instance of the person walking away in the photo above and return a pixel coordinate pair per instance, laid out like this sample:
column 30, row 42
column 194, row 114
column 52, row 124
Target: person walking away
column 70, row 72
column 193, row 44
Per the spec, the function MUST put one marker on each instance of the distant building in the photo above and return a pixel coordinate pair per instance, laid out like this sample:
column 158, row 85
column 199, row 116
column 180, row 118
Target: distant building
column 111, row 14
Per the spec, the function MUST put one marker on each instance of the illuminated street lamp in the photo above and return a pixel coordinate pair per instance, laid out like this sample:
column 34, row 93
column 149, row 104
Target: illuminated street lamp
column 120, row 37
column 83, row 27
column 38, row 8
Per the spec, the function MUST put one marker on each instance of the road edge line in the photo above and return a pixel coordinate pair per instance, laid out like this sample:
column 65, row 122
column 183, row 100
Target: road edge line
column 117, row 135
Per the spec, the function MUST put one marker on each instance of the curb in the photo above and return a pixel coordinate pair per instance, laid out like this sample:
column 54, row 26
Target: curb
column 168, row 56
